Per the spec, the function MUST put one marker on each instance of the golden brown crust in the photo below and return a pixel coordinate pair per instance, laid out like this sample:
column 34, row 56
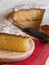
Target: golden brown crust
column 45, row 29
column 14, row 35
column 30, row 9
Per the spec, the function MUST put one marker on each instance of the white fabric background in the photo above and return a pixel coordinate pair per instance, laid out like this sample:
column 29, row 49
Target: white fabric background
column 7, row 4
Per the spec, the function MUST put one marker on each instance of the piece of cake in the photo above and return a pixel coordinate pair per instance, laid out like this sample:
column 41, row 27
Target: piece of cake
column 28, row 17
column 12, row 42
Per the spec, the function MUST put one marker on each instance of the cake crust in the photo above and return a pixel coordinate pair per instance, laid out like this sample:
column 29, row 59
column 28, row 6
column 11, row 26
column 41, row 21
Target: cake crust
column 45, row 29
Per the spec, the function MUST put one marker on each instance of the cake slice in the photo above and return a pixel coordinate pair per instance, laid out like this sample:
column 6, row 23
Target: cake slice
column 12, row 42
column 23, row 15
column 28, row 17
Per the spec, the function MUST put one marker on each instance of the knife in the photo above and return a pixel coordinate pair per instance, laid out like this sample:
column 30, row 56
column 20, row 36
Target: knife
column 31, row 31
